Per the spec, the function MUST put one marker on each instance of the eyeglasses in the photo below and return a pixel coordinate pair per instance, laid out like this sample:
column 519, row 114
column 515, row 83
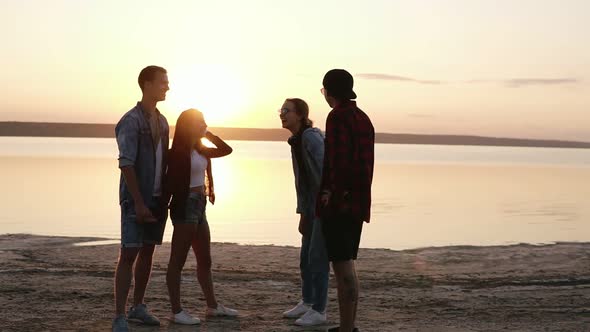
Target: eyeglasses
column 284, row 111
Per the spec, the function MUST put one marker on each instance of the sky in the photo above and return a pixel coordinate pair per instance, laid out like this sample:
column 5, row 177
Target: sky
column 492, row 68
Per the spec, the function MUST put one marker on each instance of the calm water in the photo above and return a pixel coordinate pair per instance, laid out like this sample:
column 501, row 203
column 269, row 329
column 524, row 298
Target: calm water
column 424, row 195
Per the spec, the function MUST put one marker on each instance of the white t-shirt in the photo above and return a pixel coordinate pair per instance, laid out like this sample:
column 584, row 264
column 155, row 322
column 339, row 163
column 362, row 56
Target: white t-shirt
column 198, row 168
column 158, row 178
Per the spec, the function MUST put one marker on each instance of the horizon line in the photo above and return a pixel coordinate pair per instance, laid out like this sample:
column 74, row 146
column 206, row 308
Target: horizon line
column 281, row 133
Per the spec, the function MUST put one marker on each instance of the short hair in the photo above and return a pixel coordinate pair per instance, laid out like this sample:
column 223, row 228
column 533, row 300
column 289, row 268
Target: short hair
column 148, row 74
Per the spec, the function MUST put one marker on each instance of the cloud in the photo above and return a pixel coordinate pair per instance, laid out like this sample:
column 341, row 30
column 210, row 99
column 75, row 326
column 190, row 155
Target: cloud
column 518, row 82
column 513, row 82
column 387, row 77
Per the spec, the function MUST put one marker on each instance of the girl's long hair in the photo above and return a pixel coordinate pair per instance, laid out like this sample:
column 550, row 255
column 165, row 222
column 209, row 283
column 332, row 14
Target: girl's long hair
column 184, row 131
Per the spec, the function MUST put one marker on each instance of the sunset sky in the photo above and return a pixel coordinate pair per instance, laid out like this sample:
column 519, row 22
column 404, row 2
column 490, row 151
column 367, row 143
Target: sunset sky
column 494, row 68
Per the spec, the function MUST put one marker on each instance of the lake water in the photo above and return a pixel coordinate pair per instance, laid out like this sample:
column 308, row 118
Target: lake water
column 423, row 195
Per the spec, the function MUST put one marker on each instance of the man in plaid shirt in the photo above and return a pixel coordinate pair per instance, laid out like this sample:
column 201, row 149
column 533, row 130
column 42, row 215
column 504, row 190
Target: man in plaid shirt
column 345, row 194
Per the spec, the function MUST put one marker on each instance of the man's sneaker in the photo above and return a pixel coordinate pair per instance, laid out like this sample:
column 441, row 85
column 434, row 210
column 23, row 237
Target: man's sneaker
column 184, row 318
column 140, row 314
column 120, row 324
column 221, row 311
column 297, row 311
column 311, row 318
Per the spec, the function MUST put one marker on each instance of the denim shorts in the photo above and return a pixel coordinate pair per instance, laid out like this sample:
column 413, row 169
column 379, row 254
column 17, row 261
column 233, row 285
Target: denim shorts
column 194, row 210
column 134, row 235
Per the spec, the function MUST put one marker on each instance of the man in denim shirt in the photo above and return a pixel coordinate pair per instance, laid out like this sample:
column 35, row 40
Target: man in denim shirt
column 142, row 137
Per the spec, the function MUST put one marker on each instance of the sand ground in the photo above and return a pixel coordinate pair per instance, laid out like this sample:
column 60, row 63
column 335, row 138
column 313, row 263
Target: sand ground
column 50, row 284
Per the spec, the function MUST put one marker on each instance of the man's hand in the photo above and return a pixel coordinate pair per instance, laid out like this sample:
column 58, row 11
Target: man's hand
column 212, row 197
column 303, row 225
column 143, row 214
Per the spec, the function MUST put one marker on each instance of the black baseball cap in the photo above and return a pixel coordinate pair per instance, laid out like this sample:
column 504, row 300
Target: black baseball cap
column 339, row 84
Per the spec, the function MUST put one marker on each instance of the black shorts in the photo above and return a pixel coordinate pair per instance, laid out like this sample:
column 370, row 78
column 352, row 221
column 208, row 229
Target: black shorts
column 343, row 236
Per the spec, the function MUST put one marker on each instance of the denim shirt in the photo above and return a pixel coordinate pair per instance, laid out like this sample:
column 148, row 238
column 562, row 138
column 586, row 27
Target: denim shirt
column 307, row 185
column 137, row 149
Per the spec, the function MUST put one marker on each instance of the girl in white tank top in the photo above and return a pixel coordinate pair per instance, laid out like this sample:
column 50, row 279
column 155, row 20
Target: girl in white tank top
column 188, row 180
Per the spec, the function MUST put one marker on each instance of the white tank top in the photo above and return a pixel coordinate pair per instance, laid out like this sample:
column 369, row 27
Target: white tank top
column 158, row 178
column 198, row 168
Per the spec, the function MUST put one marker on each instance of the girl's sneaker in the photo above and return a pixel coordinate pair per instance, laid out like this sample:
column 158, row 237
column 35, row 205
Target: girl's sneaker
column 184, row 318
column 221, row 311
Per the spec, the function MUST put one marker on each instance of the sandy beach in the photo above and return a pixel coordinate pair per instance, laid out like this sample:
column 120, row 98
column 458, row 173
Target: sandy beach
column 51, row 284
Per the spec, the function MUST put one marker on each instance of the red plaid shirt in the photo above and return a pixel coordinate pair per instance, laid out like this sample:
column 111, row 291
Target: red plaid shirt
column 348, row 160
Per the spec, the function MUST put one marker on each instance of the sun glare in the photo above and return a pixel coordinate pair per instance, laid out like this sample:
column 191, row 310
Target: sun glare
column 213, row 89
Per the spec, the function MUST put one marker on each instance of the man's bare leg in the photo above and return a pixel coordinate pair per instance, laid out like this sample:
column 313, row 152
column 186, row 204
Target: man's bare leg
column 347, row 282
column 143, row 270
column 123, row 278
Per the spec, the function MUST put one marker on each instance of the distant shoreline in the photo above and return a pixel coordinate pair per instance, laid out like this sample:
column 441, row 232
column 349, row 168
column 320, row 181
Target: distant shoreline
column 49, row 129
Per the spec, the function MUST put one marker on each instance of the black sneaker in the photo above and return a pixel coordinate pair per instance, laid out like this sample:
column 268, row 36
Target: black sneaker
column 141, row 314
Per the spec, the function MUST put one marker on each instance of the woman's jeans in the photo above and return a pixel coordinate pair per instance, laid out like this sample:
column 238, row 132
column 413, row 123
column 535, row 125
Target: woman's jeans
column 315, row 267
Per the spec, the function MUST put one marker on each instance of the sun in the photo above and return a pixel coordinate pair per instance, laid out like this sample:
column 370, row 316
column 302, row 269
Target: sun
column 213, row 89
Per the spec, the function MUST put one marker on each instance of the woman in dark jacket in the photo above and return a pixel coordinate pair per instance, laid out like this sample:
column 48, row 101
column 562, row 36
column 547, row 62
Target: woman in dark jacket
column 189, row 182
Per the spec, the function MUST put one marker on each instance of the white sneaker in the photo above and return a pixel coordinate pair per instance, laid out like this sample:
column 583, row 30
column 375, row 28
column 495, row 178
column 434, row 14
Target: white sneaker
column 297, row 311
column 311, row 318
column 184, row 318
column 221, row 311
